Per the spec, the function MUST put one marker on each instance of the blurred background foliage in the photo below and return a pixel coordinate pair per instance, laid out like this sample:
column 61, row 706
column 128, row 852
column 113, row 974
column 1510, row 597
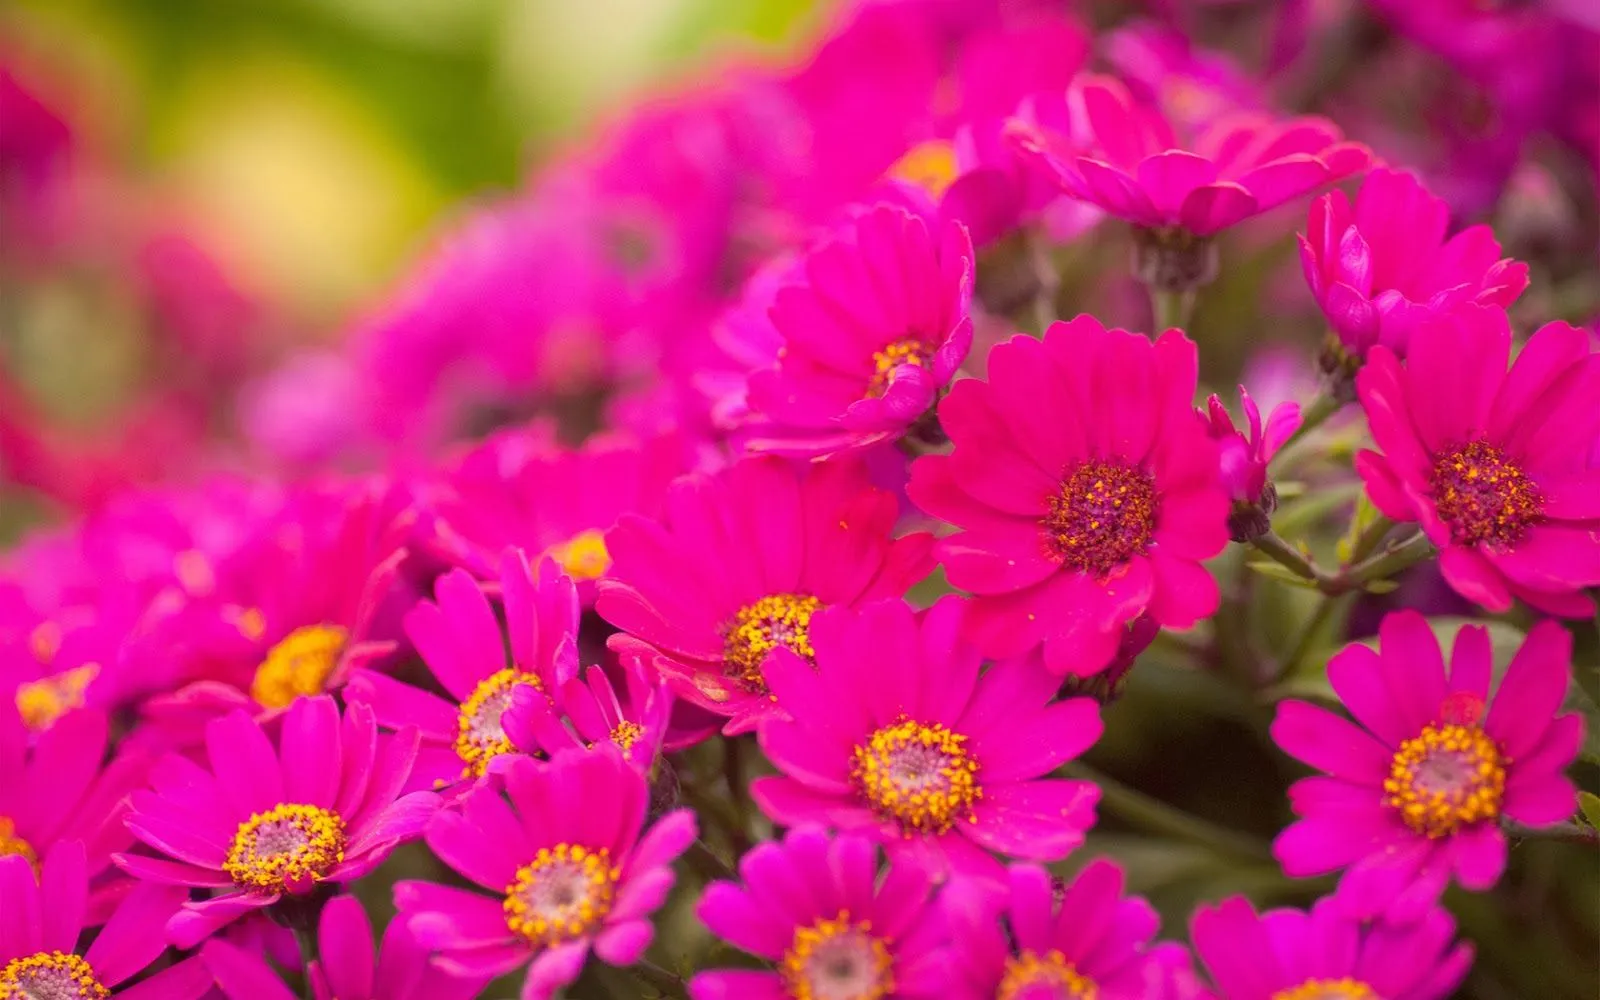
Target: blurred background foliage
column 316, row 142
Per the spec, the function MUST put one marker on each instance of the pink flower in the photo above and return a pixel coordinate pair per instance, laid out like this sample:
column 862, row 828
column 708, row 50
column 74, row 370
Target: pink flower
column 1490, row 462
column 1243, row 459
column 816, row 908
column 1236, row 166
column 895, row 735
column 565, row 866
column 262, row 823
column 739, row 565
column 520, row 488
column 43, row 916
column 461, row 643
column 1035, row 939
column 345, row 968
column 1087, row 491
column 587, row 710
column 1415, row 793
column 1382, row 267
column 879, row 326
column 1299, row 955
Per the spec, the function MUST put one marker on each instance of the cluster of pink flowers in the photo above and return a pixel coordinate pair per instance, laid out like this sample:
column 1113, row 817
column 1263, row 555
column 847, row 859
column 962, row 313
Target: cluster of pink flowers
column 818, row 535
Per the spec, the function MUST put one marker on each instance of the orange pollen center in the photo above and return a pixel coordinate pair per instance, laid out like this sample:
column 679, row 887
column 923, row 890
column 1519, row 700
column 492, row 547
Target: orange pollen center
column 1329, row 989
column 584, row 555
column 299, row 665
column 1484, row 498
column 42, row 702
column 1104, row 515
column 1045, row 976
column 563, row 894
column 288, row 846
column 757, row 629
column 50, row 975
column 11, row 844
column 922, row 777
column 480, row 737
column 837, row 960
column 929, row 165
column 626, row 734
column 1449, row 777
column 887, row 363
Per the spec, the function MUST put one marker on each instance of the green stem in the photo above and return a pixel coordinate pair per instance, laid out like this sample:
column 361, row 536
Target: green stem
column 1286, row 555
column 1328, row 607
column 306, row 938
column 1047, row 281
column 670, row 984
column 706, row 861
column 1370, row 538
column 1389, row 562
column 1172, row 309
column 733, row 769
column 1151, row 815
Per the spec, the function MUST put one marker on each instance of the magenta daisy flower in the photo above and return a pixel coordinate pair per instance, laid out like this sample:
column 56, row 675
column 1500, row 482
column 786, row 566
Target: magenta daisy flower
column 566, row 869
column 43, row 914
column 1324, row 955
column 1034, row 940
column 1087, row 491
column 879, row 326
column 739, row 565
column 261, row 822
column 1178, row 191
column 816, row 908
column 587, row 711
column 345, row 968
column 1379, row 268
column 1416, row 790
column 895, row 734
column 1490, row 462
column 56, row 790
column 519, row 488
column 461, row 642
column 1243, row 460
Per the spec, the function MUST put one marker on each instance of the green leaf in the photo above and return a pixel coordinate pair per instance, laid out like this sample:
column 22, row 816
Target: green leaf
column 1590, row 804
column 1382, row 586
column 1266, row 567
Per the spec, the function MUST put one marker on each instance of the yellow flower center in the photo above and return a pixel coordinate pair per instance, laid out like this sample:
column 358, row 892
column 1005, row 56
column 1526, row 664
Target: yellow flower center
column 563, row 894
column 1483, row 497
column 299, row 665
column 1104, row 515
column 42, row 702
column 1040, row 973
column 920, row 776
column 626, row 734
column 287, row 844
column 50, row 975
column 584, row 555
column 929, row 165
column 1329, row 989
column 757, row 629
column 1449, row 777
column 480, row 737
column 885, row 363
column 11, row 844
column 837, row 960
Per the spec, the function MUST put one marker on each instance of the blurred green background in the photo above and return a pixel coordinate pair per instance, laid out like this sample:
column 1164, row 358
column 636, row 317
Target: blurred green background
column 316, row 143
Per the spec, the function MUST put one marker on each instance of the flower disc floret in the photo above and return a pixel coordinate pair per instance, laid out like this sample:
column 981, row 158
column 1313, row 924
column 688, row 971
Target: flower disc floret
column 289, row 843
column 50, row 975
column 563, row 894
column 760, row 627
column 480, row 736
column 1449, row 777
column 1104, row 515
column 920, row 776
column 1483, row 497
column 885, row 363
column 837, row 959
column 1045, row 975
column 1329, row 989
column 299, row 665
